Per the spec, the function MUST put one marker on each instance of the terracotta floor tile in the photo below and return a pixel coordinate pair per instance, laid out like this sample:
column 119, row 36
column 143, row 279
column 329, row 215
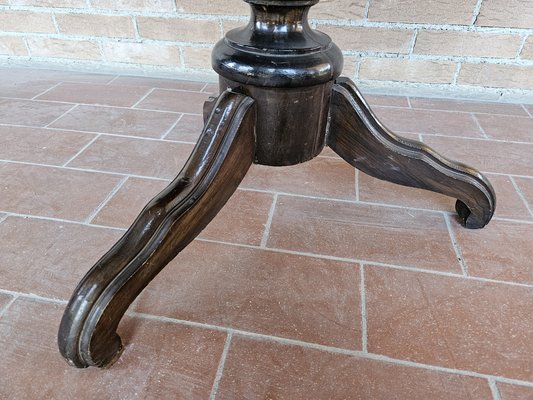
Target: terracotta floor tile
column 24, row 88
column 212, row 88
column 467, row 106
column 509, row 203
column 52, row 192
column 386, row 101
column 451, row 322
column 30, row 113
column 188, row 129
column 177, row 101
column 128, row 202
column 469, row 324
column 160, row 361
column 324, row 177
column 134, row 156
column 117, row 120
column 258, row 369
column 486, row 155
column 106, row 95
column 507, row 128
column 285, row 295
column 28, row 83
column 365, row 232
column 514, row 392
column 428, row 122
column 40, row 145
column 502, row 250
column 48, row 258
column 377, row 191
column 242, row 220
column 158, row 83
column 526, row 187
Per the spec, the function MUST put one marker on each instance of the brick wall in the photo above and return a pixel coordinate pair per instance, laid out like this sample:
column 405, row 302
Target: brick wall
column 430, row 43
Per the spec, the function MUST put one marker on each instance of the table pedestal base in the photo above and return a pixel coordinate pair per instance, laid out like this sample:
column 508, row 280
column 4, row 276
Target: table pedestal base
column 282, row 105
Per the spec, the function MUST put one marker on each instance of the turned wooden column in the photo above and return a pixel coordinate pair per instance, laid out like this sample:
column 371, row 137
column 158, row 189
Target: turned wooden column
column 288, row 69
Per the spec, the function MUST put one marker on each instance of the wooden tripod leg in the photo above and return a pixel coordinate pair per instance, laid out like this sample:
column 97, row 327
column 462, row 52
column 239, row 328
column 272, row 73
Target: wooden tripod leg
column 359, row 138
column 220, row 160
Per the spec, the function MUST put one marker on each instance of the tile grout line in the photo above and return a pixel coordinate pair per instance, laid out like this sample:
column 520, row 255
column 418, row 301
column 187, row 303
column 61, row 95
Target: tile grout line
column 438, row 110
column 63, row 221
column 249, row 189
column 165, row 134
column 4, row 309
column 61, row 116
column 364, row 319
column 3, row 217
column 142, row 99
column 455, row 244
column 113, row 80
column 31, row 296
column 370, row 263
column 283, row 251
column 220, row 370
column 476, row 11
column 266, row 232
column 479, row 126
column 97, row 171
column 357, row 185
column 366, row 10
column 329, row 349
column 516, row 221
column 104, row 202
column 526, row 110
column 494, row 389
column 521, row 195
column 80, row 151
column 102, row 105
column 46, row 91
column 288, row 341
column 121, row 135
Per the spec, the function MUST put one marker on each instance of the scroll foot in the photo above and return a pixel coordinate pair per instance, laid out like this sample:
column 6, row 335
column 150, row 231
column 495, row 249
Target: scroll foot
column 220, row 160
column 360, row 139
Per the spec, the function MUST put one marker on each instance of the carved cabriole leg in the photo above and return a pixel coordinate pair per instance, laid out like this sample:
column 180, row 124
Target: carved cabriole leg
column 360, row 139
column 220, row 160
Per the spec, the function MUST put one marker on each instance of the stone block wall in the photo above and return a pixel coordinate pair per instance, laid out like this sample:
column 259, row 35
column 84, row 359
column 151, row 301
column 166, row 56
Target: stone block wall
column 454, row 44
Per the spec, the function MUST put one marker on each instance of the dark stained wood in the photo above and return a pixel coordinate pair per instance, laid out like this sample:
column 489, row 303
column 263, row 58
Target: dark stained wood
column 288, row 68
column 220, row 160
column 291, row 122
column 360, row 139
column 277, row 48
column 281, row 76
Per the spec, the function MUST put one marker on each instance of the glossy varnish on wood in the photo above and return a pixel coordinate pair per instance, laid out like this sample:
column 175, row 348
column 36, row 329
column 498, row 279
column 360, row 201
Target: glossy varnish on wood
column 279, row 91
column 219, row 162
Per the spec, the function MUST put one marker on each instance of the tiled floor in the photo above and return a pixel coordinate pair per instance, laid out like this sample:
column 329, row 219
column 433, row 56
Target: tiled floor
column 315, row 281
